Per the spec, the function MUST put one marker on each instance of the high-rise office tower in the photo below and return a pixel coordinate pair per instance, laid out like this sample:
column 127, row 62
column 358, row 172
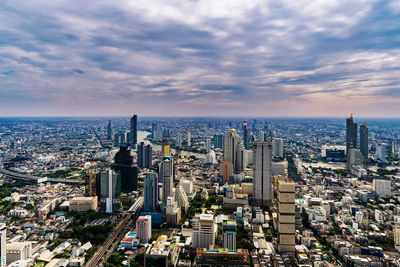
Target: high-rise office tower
column 203, row 235
column 3, row 242
column 165, row 148
column 165, row 133
column 178, row 140
column 208, row 145
column 133, row 132
column 364, row 140
column 108, row 189
column 181, row 198
column 351, row 133
column 123, row 163
column 143, row 228
column 229, row 234
column 189, row 137
column 167, row 176
column 109, row 130
column 218, row 141
column 286, row 216
column 277, row 147
column 241, row 158
column 231, row 143
column 150, row 191
column 246, row 135
column 262, row 169
column 381, row 152
column 262, row 136
column 145, row 156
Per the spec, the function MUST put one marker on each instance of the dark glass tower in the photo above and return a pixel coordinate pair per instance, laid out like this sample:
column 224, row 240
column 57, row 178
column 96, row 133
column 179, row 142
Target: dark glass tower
column 123, row 163
column 351, row 134
column 109, row 130
column 246, row 134
column 364, row 140
column 133, row 132
column 144, row 153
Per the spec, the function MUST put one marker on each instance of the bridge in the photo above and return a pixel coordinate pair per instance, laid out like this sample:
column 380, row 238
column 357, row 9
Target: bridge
column 25, row 177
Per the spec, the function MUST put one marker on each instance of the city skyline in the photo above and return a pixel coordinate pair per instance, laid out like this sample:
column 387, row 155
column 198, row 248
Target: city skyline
column 203, row 58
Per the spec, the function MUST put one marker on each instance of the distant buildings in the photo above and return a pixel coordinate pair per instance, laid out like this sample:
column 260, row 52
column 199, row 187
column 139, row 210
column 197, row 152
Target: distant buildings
column 145, row 156
column 151, row 192
column 262, row 168
column 364, row 140
column 351, row 140
column 203, row 235
column 123, row 163
column 143, row 228
column 246, row 135
column 133, row 132
column 189, row 137
column 108, row 188
column 178, row 140
column 208, row 145
column 156, row 132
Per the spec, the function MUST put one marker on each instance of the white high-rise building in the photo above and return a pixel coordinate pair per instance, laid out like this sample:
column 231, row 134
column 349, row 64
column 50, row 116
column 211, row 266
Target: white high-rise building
column 208, row 145
column 3, row 240
column 189, row 137
column 277, row 147
column 262, row 181
column 179, row 140
column 382, row 188
column 143, row 228
column 167, row 175
column 211, row 158
column 381, row 152
column 203, row 234
column 18, row 251
column 187, row 186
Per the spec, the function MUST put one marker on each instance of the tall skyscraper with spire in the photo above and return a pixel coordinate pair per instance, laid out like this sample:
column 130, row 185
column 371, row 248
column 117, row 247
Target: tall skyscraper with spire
column 133, row 132
column 364, row 140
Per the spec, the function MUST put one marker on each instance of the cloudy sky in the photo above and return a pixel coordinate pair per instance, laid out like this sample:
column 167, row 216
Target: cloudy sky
column 200, row 58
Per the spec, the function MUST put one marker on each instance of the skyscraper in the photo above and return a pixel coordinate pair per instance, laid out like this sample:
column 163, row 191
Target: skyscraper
column 286, row 216
column 231, row 143
column 123, row 163
column 151, row 192
column 364, row 140
column 167, row 176
column 109, row 130
column 181, row 198
column 178, row 141
column 189, row 137
column 3, row 242
column 262, row 187
column 246, row 135
column 108, row 189
column 133, row 132
column 351, row 133
column 208, row 145
column 143, row 228
column 277, row 147
column 203, row 231
column 145, row 156
column 165, row 148
column 218, row 141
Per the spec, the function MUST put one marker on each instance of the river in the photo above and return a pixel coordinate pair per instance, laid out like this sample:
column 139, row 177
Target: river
column 141, row 135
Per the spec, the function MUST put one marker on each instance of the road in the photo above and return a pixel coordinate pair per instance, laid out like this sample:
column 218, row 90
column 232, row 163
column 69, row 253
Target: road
column 19, row 176
column 116, row 235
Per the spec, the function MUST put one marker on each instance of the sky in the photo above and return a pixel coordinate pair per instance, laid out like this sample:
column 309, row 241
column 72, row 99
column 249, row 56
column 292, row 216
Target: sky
column 259, row 58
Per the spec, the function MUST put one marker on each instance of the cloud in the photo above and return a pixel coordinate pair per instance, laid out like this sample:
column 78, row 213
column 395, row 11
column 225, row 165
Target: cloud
column 199, row 57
